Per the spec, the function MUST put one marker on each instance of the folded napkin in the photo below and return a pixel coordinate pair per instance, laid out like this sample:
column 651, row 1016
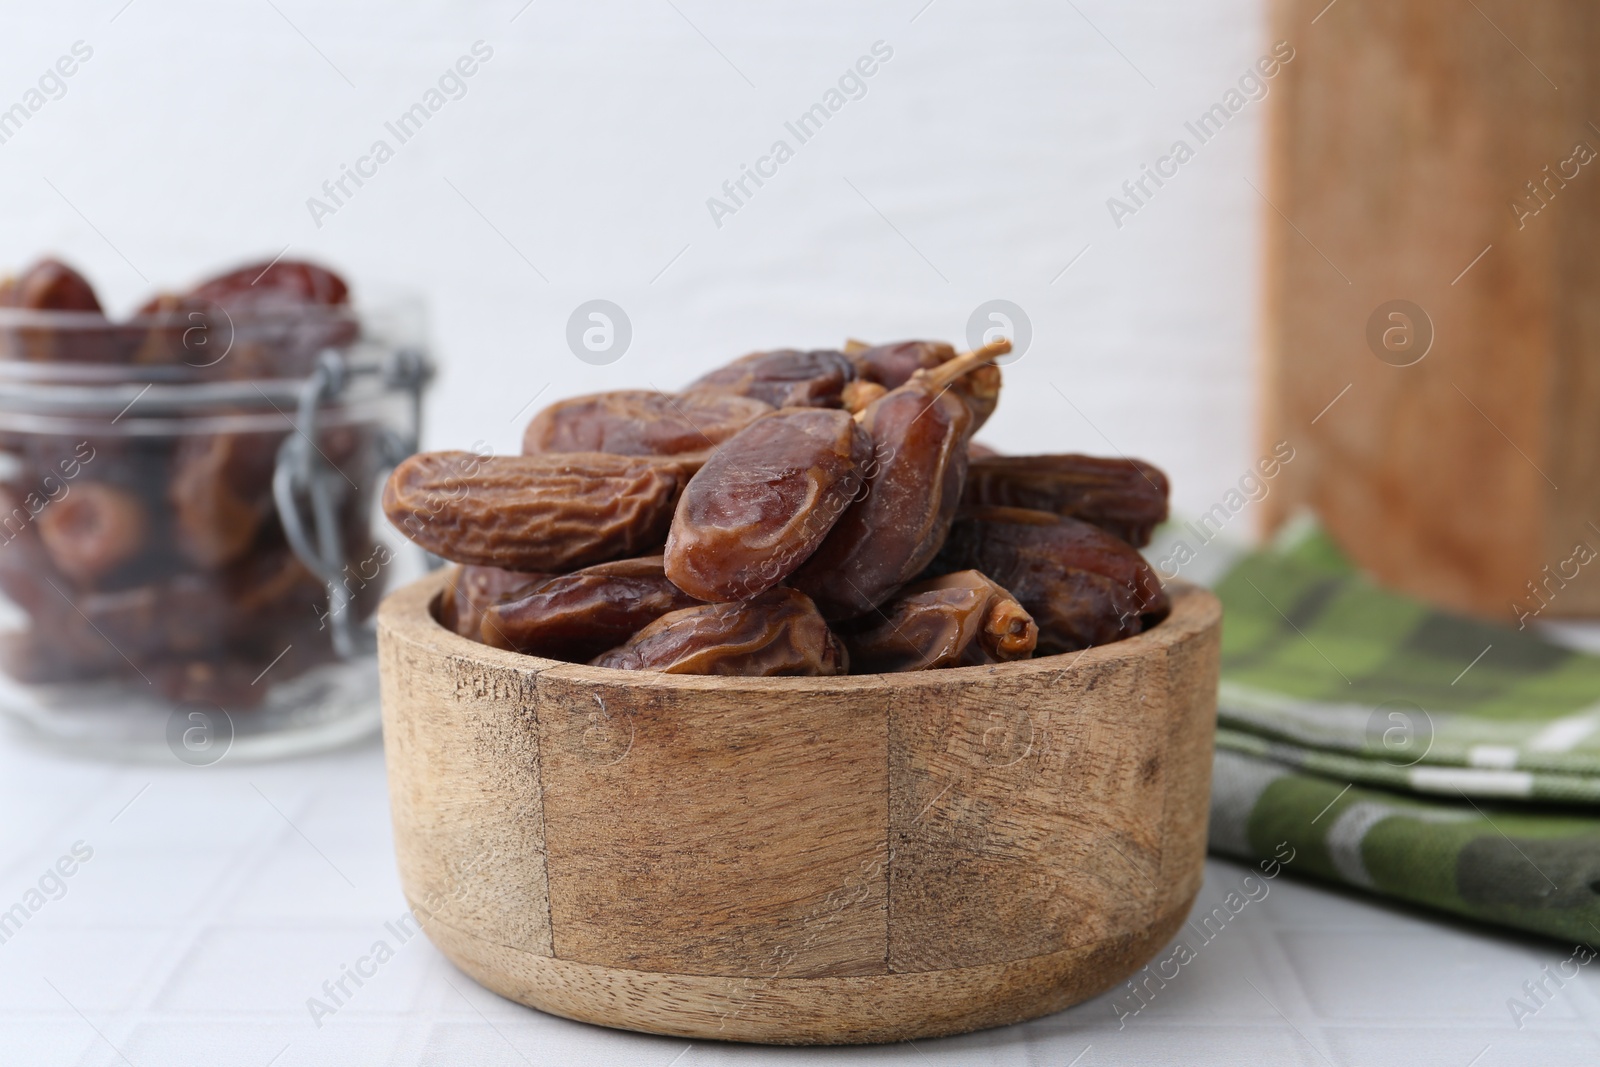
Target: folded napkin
column 1440, row 760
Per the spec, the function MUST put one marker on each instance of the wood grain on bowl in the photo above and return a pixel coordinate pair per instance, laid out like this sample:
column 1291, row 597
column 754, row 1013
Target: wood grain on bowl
column 800, row 860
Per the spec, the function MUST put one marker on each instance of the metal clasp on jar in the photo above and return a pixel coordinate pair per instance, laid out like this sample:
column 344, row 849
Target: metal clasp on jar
column 309, row 490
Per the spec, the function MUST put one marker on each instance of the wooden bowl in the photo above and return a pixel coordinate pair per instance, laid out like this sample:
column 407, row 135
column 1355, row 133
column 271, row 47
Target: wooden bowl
column 799, row 860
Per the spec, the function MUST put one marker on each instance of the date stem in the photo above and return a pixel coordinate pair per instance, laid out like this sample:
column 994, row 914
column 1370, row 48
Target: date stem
column 951, row 369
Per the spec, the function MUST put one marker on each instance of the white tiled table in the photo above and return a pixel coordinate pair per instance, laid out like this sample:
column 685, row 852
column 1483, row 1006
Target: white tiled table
column 219, row 899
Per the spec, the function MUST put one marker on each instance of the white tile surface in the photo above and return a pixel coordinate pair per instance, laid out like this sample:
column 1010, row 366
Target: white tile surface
column 1376, row 975
column 204, row 921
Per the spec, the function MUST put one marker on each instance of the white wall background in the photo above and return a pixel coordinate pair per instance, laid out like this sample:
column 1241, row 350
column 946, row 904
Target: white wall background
column 591, row 140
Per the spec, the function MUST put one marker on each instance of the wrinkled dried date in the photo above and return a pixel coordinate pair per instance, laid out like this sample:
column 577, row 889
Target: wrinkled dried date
column 919, row 433
column 49, row 285
column 640, row 423
column 892, row 365
column 958, row 620
column 784, row 378
column 1126, row 497
column 284, row 283
column 913, row 484
column 533, row 513
column 85, row 336
column 93, row 530
column 764, row 501
column 779, row 632
column 580, row 615
column 1082, row 585
column 471, row 591
column 221, row 494
column 263, row 319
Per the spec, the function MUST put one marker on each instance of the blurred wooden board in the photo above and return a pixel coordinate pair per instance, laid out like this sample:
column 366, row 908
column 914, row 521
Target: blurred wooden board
column 1404, row 136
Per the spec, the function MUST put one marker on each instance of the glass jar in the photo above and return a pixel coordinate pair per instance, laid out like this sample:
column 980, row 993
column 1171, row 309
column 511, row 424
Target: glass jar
column 189, row 539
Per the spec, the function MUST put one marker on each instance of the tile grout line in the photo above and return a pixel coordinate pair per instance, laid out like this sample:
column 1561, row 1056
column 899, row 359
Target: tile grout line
column 221, row 894
column 35, row 852
column 1297, row 1003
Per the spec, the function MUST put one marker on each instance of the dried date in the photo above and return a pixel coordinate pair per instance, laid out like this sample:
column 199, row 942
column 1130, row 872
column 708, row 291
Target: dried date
column 533, row 513
column 261, row 319
column 958, row 620
column 282, row 342
column 784, row 378
column 895, row 527
column 26, row 572
column 1082, row 585
column 221, row 494
column 892, row 366
column 919, row 435
column 94, row 529
column 764, row 501
column 84, row 335
column 471, row 591
column 49, row 285
column 284, row 283
column 779, row 632
column 274, row 603
column 98, row 631
column 270, row 593
column 640, row 422
column 185, row 615
column 1126, row 497
column 580, row 615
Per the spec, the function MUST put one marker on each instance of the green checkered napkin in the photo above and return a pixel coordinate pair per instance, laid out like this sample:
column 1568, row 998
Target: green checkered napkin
column 1398, row 749
column 1529, row 867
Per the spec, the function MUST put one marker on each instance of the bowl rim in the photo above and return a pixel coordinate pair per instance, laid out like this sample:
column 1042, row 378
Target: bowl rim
column 408, row 614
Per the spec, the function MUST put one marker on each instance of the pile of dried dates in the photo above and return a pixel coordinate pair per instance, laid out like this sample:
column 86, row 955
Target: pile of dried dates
column 792, row 513
column 264, row 320
column 155, row 556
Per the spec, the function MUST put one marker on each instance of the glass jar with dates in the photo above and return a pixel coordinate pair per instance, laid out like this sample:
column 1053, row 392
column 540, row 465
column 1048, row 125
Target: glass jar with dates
column 189, row 544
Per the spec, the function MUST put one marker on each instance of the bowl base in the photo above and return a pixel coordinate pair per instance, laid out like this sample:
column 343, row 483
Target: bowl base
column 868, row 1009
